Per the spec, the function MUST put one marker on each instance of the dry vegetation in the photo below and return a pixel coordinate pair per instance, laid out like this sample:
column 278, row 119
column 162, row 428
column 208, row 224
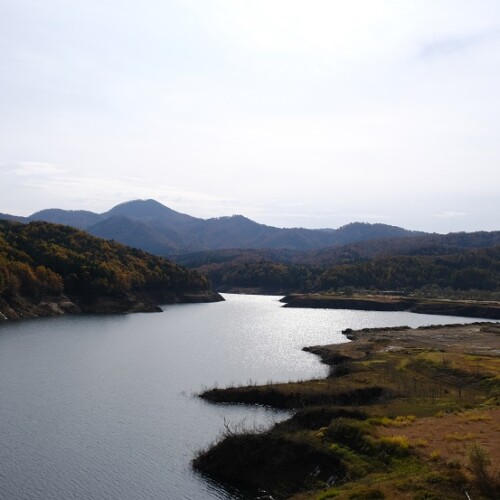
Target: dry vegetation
column 405, row 413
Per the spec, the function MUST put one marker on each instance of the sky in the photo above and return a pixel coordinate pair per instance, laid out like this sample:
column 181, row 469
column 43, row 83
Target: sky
column 293, row 113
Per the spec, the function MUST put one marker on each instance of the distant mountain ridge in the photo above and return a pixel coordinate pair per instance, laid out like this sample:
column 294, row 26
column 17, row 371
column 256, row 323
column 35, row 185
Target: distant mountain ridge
column 155, row 228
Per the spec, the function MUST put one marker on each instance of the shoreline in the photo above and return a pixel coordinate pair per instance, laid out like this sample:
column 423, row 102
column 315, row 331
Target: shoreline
column 22, row 307
column 445, row 307
column 385, row 391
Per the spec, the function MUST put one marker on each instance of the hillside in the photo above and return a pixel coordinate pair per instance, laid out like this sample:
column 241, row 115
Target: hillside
column 429, row 244
column 469, row 272
column 349, row 253
column 134, row 233
column 52, row 269
column 459, row 261
column 241, row 255
column 158, row 229
column 473, row 269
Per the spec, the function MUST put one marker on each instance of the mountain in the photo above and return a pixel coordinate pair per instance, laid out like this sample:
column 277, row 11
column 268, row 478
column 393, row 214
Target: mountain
column 255, row 271
column 149, row 225
column 16, row 218
column 133, row 233
column 238, row 253
column 81, row 219
column 407, row 260
column 240, row 232
column 362, row 231
column 153, row 213
column 50, row 269
column 428, row 244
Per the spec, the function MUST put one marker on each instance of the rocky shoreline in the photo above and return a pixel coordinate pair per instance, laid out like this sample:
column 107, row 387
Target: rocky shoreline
column 22, row 307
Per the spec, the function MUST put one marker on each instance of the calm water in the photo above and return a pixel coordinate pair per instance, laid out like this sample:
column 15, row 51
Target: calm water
column 103, row 407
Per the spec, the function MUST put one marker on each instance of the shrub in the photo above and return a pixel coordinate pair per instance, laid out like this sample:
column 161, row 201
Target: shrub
column 479, row 460
column 397, row 441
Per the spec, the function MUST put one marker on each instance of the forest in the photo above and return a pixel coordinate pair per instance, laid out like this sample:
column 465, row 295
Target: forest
column 474, row 269
column 40, row 258
column 464, row 271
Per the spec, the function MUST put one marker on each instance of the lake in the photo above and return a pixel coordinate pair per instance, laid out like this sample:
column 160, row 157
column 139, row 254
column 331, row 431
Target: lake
column 104, row 407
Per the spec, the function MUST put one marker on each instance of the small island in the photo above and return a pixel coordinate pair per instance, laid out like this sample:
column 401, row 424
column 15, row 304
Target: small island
column 403, row 413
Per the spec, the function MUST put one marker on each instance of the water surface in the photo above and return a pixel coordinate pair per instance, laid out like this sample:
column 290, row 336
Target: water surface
column 102, row 407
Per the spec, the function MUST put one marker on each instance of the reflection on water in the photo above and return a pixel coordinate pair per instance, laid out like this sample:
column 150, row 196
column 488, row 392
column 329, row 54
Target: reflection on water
column 102, row 407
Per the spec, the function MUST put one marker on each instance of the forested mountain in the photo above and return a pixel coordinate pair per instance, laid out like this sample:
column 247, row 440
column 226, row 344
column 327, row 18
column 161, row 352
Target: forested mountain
column 237, row 253
column 432, row 244
column 135, row 234
column 468, row 270
column 472, row 269
column 153, row 227
column 288, row 270
column 153, row 212
column 40, row 260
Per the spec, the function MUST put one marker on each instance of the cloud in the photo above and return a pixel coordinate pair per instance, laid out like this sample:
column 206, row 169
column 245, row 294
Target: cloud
column 447, row 45
column 450, row 215
column 101, row 192
column 351, row 108
column 323, row 31
column 364, row 216
column 30, row 168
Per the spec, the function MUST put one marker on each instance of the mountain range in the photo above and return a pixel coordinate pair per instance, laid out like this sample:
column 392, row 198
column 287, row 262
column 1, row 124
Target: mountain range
column 155, row 228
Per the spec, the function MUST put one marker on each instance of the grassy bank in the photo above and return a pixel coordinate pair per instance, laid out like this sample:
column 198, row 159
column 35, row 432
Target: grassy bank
column 404, row 413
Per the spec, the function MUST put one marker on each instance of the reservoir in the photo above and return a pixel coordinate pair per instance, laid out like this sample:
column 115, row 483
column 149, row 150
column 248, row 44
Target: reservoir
column 105, row 407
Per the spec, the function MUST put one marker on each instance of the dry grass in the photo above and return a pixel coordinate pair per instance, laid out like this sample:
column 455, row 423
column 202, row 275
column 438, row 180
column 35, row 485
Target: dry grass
column 432, row 395
column 457, row 436
column 468, row 427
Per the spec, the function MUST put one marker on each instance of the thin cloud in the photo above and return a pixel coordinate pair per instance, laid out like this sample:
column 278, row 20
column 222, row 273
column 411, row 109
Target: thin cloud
column 106, row 191
column 365, row 216
column 29, row 168
column 453, row 44
column 450, row 215
column 223, row 107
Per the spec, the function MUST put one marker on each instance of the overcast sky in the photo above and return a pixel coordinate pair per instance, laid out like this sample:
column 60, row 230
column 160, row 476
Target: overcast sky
column 294, row 113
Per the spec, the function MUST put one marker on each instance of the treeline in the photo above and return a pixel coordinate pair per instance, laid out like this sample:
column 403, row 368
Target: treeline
column 468, row 270
column 42, row 258
column 475, row 269
column 267, row 276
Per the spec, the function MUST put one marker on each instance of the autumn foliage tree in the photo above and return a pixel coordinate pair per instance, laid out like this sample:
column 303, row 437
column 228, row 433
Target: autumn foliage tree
column 41, row 258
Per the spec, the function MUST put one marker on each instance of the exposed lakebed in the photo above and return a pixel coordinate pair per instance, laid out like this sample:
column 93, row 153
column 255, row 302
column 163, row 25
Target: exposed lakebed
column 102, row 406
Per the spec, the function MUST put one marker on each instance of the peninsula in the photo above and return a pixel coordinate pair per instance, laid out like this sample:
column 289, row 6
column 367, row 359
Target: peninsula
column 404, row 413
